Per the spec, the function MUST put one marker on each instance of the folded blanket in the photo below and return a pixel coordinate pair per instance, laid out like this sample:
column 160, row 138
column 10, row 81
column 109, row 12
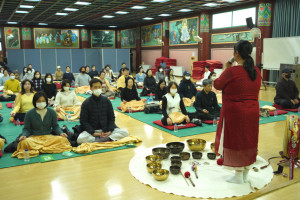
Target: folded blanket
column 188, row 102
column 81, row 99
column 42, row 144
column 135, row 105
column 74, row 111
column 177, row 117
column 90, row 147
column 82, row 89
column 269, row 108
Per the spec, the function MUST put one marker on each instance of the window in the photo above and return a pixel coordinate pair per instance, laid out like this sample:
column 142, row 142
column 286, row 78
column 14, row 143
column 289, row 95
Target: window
column 233, row 18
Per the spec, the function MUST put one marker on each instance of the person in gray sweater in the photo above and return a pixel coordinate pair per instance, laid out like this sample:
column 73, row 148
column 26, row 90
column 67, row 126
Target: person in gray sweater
column 82, row 79
column 41, row 120
column 160, row 75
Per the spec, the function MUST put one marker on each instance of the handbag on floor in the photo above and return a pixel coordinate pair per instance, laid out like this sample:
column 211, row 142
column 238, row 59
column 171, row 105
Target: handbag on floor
column 152, row 108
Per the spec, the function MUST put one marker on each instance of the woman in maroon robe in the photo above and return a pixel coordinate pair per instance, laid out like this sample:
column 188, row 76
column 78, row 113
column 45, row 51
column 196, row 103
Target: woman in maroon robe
column 237, row 133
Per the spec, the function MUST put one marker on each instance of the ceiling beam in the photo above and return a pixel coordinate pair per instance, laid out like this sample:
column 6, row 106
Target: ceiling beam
column 12, row 14
column 30, row 11
column 2, row 4
column 36, row 17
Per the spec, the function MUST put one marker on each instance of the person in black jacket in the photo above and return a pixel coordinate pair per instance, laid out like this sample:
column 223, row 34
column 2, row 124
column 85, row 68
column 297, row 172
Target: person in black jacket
column 287, row 94
column 130, row 93
column 206, row 103
column 186, row 88
column 149, row 83
column 49, row 87
column 97, row 118
column 94, row 73
column 69, row 75
column 161, row 90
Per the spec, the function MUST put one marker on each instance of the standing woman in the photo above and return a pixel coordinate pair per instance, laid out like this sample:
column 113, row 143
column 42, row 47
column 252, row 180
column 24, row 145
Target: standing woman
column 149, row 83
column 37, row 81
column 237, row 133
column 49, row 88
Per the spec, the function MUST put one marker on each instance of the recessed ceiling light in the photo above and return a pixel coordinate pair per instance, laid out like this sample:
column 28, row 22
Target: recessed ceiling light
column 185, row 10
column 43, row 24
column 108, row 16
column 160, row 1
column 70, row 9
column 33, row 0
column 26, row 6
column 164, row 15
column 83, row 3
column 79, row 25
column 61, row 13
column 12, row 22
column 121, row 12
column 138, row 7
column 211, row 4
column 22, row 11
column 112, row 26
column 230, row 1
column 148, row 18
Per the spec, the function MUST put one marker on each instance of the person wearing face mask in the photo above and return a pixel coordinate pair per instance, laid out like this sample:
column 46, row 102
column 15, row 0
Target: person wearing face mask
column 82, row 79
column 58, row 74
column 37, row 81
column 23, row 101
column 4, row 78
column 171, row 102
column 41, row 122
column 28, row 75
column 49, row 88
column 107, row 89
column 186, row 88
column 97, row 118
column 287, row 93
column 12, row 84
column 30, row 67
column 160, row 74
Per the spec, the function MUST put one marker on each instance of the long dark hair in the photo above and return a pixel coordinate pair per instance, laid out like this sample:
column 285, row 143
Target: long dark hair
column 64, row 83
column 160, row 82
column 126, row 82
column 23, row 83
column 169, row 72
column 147, row 73
column 48, row 74
column 245, row 49
column 35, row 74
column 211, row 74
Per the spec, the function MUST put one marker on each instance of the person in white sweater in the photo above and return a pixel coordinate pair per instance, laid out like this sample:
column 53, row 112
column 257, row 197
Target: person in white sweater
column 66, row 97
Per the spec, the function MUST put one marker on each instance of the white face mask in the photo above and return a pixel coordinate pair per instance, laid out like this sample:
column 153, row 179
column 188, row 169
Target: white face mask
column 213, row 78
column 29, row 72
column 187, row 77
column 12, row 77
column 97, row 92
column 48, row 79
column 41, row 105
column 66, row 89
column 160, row 70
column 173, row 91
column 25, row 71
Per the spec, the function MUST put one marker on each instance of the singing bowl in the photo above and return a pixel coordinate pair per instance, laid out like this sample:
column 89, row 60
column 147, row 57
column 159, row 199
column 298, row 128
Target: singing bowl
column 212, row 147
column 160, row 174
column 211, row 156
column 196, row 144
column 174, row 170
column 164, row 152
column 152, row 166
column 185, row 155
column 175, row 158
column 197, row 155
column 176, row 163
column 154, row 158
column 175, row 147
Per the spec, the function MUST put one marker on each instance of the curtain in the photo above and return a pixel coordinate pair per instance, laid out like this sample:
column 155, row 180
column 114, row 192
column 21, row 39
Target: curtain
column 286, row 18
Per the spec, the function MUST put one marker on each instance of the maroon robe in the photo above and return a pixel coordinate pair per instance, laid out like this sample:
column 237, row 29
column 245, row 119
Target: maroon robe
column 240, row 109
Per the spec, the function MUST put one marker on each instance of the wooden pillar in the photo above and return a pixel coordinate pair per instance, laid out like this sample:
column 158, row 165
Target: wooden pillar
column 138, row 47
column 203, row 48
column 27, row 38
column 118, row 39
column 85, row 39
column 165, row 39
column 264, row 23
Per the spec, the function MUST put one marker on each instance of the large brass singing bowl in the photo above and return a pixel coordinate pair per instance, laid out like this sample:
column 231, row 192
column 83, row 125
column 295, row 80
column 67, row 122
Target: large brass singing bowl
column 196, row 144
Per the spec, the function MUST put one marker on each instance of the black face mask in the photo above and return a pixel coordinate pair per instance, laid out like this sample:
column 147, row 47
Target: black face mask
column 83, row 72
column 288, row 76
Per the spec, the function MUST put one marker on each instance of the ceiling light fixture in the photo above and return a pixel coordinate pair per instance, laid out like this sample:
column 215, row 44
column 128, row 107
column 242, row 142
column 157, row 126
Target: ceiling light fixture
column 112, row 26
column 160, row 1
column 12, row 22
column 121, row 12
column 33, row 0
column 43, row 24
column 26, row 6
column 138, row 7
column 148, row 18
column 79, row 25
column 108, row 16
column 71, row 9
column 83, row 3
column 164, row 15
column 185, row 10
column 211, row 4
column 61, row 13
column 22, row 11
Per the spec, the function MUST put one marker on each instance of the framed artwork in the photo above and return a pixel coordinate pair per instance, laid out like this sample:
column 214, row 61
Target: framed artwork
column 151, row 35
column 84, row 35
column 26, row 34
column 232, row 37
column 56, row 38
column 182, row 31
column 128, row 38
column 102, row 39
column 12, row 37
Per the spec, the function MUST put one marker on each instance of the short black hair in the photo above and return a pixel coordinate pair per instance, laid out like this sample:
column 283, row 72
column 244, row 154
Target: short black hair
column 123, row 63
column 64, row 83
column 148, row 71
column 48, row 74
column 81, row 68
column 95, row 80
column 68, row 67
column 160, row 67
column 127, row 79
column 207, row 66
column 93, row 66
column 207, row 82
column 102, row 72
column 160, row 82
column 22, row 86
column 37, row 96
column 124, row 69
column 9, row 73
column 170, row 85
column 211, row 74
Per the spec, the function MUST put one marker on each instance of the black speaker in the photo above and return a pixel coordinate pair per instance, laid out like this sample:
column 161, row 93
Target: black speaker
column 249, row 22
column 167, row 33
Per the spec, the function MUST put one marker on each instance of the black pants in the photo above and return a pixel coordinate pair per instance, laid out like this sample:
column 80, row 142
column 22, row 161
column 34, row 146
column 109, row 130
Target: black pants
column 210, row 116
column 285, row 103
column 165, row 123
column 20, row 116
column 146, row 92
column 8, row 98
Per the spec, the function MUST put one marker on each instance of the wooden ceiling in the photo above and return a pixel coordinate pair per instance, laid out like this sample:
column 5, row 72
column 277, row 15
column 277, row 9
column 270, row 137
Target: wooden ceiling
column 91, row 15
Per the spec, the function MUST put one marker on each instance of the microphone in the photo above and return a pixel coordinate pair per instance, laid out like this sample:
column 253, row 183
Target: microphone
column 231, row 60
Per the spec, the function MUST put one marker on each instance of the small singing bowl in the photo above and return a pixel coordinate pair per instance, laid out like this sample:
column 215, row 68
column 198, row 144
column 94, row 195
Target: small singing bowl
column 175, row 158
column 160, row 174
column 175, row 147
column 196, row 144
column 152, row 166
column 176, row 163
column 197, row 155
column 212, row 147
column 154, row 158
column 211, row 156
column 164, row 152
column 174, row 170
column 185, row 155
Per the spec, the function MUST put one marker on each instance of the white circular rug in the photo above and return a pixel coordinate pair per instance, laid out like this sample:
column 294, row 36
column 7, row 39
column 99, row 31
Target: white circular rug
column 211, row 182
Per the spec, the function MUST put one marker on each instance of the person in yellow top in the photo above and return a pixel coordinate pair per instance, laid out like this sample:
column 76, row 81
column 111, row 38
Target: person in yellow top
column 23, row 101
column 58, row 74
column 121, row 81
column 12, row 84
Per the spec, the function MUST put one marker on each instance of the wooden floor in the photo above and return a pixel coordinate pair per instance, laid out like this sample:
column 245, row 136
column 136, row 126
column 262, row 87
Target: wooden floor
column 106, row 175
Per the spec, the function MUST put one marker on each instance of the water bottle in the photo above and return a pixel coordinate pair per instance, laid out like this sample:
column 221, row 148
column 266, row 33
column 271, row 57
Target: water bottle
column 69, row 117
column 150, row 98
column 26, row 156
column 275, row 113
column 18, row 122
column 130, row 110
column 215, row 122
column 66, row 118
column 175, row 128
